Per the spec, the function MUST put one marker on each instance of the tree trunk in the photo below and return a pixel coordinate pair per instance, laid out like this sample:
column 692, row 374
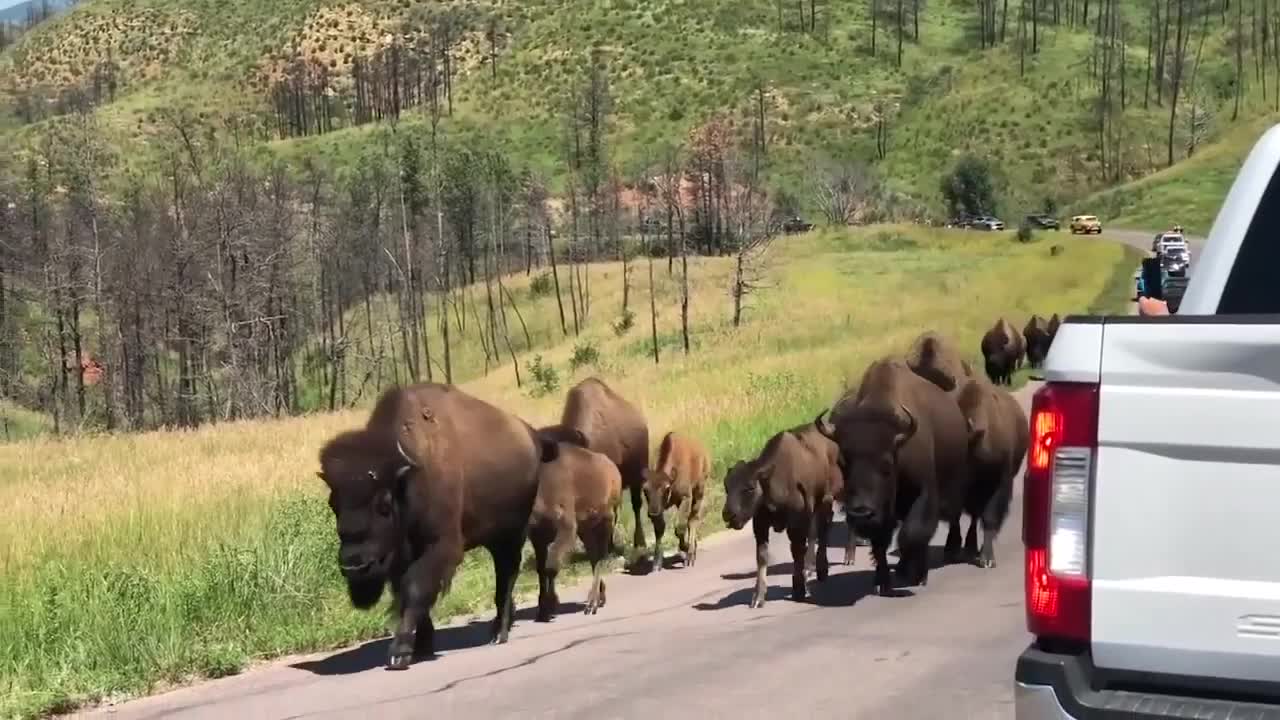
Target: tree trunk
column 555, row 280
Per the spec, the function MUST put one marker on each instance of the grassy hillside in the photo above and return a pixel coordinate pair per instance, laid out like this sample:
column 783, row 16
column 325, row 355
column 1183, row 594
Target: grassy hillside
column 671, row 64
column 134, row 560
column 1190, row 193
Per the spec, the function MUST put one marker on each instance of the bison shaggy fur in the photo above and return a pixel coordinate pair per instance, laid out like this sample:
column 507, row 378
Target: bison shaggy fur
column 433, row 473
column 998, row 439
column 903, row 450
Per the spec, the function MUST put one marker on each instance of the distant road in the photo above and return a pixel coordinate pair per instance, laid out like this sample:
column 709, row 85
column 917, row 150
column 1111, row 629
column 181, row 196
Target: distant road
column 1141, row 239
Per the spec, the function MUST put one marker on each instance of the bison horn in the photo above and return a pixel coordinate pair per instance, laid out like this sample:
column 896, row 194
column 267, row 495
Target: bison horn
column 908, row 422
column 405, row 456
column 824, row 426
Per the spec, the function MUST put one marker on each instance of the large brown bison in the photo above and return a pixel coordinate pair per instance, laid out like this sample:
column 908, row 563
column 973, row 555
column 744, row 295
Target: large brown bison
column 1038, row 338
column 1000, row 351
column 578, row 496
column 903, row 446
column 612, row 427
column 1054, row 323
column 432, row 474
column 936, row 359
column 679, row 478
column 791, row 485
column 998, row 439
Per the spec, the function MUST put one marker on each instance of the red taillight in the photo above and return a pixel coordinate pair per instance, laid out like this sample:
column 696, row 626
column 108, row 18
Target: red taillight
column 1055, row 519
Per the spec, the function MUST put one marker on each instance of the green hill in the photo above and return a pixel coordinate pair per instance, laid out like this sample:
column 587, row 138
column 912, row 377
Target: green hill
column 229, row 204
column 672, row 64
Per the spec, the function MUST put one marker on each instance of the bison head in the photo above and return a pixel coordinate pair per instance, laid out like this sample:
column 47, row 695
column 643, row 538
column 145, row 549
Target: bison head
column 869, row 441
column 657, row 490
column 367, row 494
column 743, row 489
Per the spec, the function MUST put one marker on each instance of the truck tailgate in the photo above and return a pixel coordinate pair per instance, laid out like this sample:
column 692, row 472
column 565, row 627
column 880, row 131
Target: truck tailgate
column 1187, row 499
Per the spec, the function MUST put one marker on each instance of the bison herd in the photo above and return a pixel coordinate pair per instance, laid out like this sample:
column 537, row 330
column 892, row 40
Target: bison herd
column 434, row 472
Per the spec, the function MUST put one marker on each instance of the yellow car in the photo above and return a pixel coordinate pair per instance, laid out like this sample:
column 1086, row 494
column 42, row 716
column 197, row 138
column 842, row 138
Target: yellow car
column 1085, row 224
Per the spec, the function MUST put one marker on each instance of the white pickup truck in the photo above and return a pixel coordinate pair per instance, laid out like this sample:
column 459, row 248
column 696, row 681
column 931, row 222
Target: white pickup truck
column 1152, row 493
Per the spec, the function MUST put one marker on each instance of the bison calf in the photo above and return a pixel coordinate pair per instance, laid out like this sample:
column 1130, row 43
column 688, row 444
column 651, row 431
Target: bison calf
column 679, row 480
column 578, row 496
column 790, row 486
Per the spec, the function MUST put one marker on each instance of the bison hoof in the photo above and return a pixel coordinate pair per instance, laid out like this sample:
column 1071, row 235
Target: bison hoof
column 757, row 602
column 986, row 563
column 885, row 590
column 400, row 661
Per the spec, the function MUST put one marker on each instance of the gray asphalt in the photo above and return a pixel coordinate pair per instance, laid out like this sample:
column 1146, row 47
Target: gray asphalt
column 684, row 644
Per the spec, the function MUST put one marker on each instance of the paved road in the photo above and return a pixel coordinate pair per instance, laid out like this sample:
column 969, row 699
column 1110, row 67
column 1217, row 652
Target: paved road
column 1141, row 239
column 681, row 644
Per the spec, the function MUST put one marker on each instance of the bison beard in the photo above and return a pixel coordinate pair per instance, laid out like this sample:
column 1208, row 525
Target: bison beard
column 365, row 593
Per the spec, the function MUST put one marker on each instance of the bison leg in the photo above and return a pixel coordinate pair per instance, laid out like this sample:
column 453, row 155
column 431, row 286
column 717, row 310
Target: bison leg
column 799, row 533
column 659, row 529
column 810, row 545
column 824, row 529
column 566, row 532
column 880, row 555
column 637, row 501
column 952, row 551
column 418, row 589
column 760, row 527
column 546, row 606
column 913, row 540
column 692, row 524
column 595, row 538
column 993, row 516
column 506, row 566
column 971, row 538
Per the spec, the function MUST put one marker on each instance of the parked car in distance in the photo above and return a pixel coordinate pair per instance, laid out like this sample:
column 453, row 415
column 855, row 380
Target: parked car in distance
column 795, row 224
column 988, row 223
column 1086, row 224
column 961, row 222
column 1042, row 221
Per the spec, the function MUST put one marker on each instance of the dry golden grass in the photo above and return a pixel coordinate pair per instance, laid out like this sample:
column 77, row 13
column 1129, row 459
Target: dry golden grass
column 131, row 560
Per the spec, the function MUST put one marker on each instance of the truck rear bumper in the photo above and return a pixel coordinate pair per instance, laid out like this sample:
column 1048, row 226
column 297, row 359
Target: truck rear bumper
column 1056, row 686
column 1037, row 702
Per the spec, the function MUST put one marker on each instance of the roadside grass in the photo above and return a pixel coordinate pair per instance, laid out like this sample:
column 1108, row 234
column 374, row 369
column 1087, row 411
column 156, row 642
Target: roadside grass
column 135, row 561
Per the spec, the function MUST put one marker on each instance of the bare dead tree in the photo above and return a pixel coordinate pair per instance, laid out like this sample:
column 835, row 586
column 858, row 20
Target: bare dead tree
column 843, row 190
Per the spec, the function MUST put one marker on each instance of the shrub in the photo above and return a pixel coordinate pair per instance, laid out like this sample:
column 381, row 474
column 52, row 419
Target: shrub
column 584, row 353
column 542, row 285
column 624, row 324
column 545, row 378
